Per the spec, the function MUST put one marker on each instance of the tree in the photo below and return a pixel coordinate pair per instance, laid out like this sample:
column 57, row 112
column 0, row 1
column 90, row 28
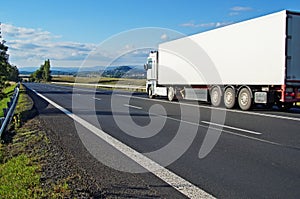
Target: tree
column 43, row 73
column 46, row 71
column 3, row 64
column 7, row 71
column 13, row 74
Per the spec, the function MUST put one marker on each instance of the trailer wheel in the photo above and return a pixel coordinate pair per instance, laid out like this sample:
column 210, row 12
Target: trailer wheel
column 216, row 96
column 171, row 93
column 244, row 98
column 229, row 98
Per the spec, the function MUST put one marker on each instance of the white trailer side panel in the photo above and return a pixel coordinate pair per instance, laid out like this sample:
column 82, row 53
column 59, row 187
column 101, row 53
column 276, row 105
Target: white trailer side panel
column 250, row 52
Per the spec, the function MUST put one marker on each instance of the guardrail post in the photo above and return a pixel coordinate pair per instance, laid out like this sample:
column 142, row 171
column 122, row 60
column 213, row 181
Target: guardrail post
column 5, row 110
column 1, row 121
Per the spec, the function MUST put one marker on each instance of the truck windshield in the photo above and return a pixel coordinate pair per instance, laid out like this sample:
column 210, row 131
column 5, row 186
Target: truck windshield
column 149, row 64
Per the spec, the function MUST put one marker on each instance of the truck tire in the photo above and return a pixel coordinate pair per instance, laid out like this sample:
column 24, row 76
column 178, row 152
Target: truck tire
column 150, row 92
column 171, row 93
column 229, row 98
column 245, row 99
column 216, row 96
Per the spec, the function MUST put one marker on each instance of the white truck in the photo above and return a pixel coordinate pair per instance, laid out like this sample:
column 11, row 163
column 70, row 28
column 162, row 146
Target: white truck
column 250, row 62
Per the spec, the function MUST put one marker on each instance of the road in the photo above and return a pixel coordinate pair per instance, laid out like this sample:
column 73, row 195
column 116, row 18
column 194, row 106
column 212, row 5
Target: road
column 213, row 151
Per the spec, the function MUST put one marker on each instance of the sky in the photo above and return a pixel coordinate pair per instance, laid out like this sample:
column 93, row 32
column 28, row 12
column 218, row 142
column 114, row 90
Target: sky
column 73, row 33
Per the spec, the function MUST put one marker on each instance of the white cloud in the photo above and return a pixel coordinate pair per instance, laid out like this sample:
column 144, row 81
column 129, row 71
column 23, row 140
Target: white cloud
column 205, row 25
column 164, row 37
column 30, row 47
column 234, row 13
column 241, row 8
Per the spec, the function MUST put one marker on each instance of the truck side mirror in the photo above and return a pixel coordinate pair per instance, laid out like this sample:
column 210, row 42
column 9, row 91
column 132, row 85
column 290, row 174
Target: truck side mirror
column 146, row 66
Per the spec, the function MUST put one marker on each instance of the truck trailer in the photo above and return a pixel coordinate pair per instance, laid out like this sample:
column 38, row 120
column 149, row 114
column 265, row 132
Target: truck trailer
column 251, row 62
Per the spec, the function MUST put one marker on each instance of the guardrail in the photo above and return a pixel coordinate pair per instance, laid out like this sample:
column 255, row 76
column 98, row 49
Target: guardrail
column 132, row 87
column 9, row 111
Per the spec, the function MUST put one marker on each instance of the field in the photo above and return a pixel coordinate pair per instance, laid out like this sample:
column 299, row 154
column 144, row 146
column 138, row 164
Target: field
column 100, row 80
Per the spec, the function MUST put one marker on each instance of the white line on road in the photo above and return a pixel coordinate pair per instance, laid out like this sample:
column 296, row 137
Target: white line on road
column 131, row 106
column 216, row 108
column 230, row 127
column 177, row 182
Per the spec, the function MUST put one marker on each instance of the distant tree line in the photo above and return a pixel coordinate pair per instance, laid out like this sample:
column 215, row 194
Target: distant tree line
column 43, row 74
column 8, row 72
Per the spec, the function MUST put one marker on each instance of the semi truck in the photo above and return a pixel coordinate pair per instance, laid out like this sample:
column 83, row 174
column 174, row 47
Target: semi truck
column 251, row 62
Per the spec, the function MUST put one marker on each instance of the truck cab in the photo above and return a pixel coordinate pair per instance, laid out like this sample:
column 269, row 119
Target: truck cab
column 152, row 86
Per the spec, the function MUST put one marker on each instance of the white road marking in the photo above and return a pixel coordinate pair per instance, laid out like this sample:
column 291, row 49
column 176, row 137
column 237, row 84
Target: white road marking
column 95, row 98
column 233, row 128
column 177, row 182
column 216, row 108
column 131, row 106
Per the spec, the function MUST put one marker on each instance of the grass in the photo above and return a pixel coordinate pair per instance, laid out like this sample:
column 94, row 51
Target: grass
column 19, row 178
column 8, row 92
column 21, row 157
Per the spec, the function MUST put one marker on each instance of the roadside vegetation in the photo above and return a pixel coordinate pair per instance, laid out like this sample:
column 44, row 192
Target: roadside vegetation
column 8, row 72
column 7, row 93
column 22, row 153
column 43, row 74
column 100, row 80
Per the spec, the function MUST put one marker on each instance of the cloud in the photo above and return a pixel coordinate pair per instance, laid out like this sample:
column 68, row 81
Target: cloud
column 135, row 57
column 236, row 10
column 205, row 25
column 30, row 47
column 164, row 37
column 234, row 13
column 11, row 31
column 241, row 8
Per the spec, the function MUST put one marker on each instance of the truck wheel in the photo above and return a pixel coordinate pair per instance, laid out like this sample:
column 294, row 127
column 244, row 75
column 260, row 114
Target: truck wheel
column 216, row 96
column 245, row 100
column 150, row 92
column 171, row 93
column 229, row 98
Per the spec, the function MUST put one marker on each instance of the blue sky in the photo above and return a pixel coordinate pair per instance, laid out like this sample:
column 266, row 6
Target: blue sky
column 67, row 31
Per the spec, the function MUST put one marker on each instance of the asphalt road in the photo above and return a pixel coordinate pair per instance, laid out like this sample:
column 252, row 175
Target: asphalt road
column 256, row 154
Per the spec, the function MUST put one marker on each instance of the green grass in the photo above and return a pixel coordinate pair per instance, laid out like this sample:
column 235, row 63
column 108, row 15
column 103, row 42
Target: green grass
column 3, row 103
column 21, row 158
column 19, row 178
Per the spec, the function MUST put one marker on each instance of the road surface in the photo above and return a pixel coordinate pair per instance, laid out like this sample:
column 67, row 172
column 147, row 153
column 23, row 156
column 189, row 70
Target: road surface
column 205, row 150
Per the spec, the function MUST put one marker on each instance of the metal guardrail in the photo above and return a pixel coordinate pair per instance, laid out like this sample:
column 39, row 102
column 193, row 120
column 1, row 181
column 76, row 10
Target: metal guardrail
column 9, row 111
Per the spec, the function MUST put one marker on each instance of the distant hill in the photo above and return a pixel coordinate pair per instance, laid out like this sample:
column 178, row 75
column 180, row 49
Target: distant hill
column 111, row 71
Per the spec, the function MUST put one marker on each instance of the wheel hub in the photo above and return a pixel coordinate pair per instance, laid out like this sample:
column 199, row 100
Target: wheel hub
column 244, row 99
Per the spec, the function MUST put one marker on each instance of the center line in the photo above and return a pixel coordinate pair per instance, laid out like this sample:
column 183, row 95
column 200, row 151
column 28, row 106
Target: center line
column 230, row 127
column 131, row 106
